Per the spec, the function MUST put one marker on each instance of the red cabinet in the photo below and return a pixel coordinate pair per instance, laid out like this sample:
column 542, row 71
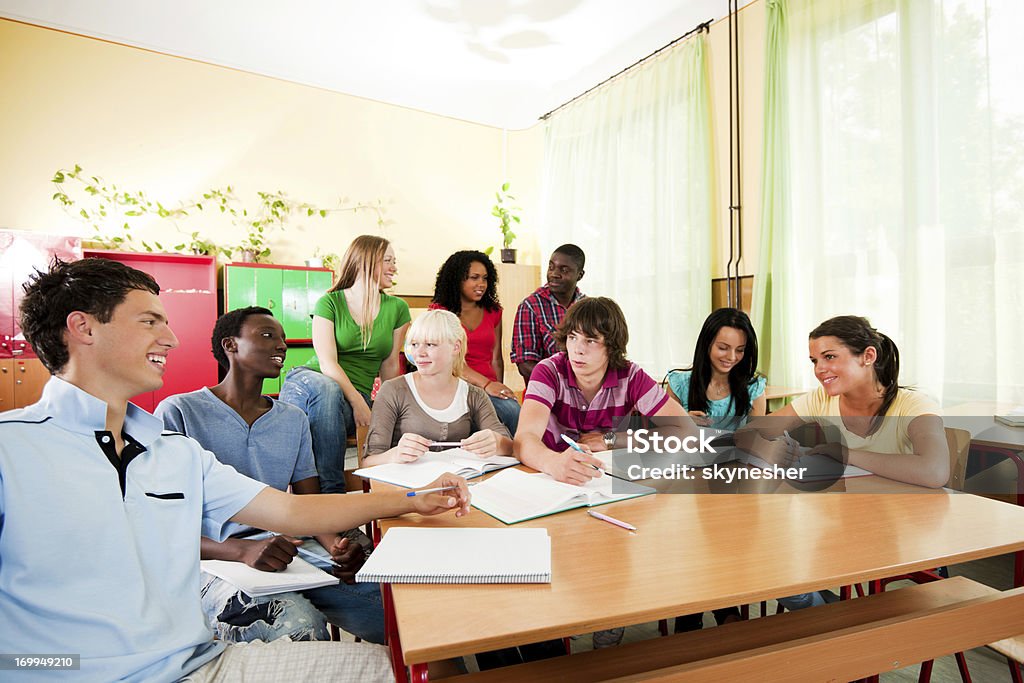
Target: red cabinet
column 188, row 292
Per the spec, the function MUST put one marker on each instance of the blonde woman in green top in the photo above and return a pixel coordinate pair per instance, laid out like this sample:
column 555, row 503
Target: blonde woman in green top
column 358, row 334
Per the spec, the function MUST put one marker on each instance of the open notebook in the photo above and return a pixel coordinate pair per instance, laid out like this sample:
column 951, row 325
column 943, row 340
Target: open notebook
column 454, row 555
column 297, row 576
column 1013, row 417
column 516, row 496
column 432, row 465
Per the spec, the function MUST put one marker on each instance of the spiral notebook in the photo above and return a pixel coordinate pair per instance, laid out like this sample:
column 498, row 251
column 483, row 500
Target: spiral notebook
column 473, row 555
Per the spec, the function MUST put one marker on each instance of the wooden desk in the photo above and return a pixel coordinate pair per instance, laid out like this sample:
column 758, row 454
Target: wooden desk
column 697, row 552
column 978, row 418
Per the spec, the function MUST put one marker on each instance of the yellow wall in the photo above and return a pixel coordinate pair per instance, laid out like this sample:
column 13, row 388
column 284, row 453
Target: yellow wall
column 174, row 127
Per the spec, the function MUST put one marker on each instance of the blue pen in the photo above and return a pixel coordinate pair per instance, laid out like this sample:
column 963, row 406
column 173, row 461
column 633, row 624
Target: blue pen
column 438, row 489
column 576, row 447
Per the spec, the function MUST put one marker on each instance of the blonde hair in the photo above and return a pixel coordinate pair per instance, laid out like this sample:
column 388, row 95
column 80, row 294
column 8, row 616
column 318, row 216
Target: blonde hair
column 437, row 327
column 362, row 258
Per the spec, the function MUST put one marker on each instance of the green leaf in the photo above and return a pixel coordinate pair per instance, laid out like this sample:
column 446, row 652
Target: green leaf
column 85, row 214
column 78, row 169
column 504, row 187
column 323, row 213
column 515, row 218
column 58, row 177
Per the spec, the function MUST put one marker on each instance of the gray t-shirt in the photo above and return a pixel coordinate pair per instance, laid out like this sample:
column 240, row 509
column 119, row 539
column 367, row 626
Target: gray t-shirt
column 275, row 450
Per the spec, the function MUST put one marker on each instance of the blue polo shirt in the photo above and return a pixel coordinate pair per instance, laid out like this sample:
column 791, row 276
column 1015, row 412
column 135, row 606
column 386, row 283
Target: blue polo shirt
column 99, row 554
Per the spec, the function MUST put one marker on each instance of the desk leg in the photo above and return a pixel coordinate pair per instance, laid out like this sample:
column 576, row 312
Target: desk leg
column 418, row 673
column 391, row 633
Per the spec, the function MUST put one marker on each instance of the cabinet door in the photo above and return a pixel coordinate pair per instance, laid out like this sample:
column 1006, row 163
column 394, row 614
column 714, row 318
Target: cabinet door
column 249, row 286
column 6, row 384
column 30, row 375
column 295, row 304
column 318, row 282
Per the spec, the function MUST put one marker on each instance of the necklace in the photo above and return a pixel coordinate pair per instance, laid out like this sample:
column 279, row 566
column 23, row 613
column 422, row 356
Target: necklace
column 716, row 391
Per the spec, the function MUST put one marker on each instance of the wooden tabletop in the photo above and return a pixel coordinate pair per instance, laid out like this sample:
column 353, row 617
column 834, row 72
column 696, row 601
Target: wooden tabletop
column 696, row 552
column 772, row 392
column 977, row 417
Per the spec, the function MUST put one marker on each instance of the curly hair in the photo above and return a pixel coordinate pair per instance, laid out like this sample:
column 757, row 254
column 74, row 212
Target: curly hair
column 454, row 271
column 230, row 325
column 597, row 316
column 93, row 285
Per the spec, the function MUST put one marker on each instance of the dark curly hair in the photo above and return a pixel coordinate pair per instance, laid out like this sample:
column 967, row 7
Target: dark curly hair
column 451, row 275
column 93, row 285
column 230, row 325
column 597, row 316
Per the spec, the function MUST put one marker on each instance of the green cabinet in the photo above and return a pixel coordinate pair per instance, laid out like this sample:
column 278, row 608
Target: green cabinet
column 290, row 293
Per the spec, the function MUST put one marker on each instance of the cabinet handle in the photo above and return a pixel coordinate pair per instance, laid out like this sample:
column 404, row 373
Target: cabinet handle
column 17, row 352
column 3, row 370
column 22, row 368
column 270, row 304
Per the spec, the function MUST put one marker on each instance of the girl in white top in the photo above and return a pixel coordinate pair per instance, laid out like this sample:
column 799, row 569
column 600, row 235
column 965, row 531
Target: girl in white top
column 434, row 403
column 887, row 429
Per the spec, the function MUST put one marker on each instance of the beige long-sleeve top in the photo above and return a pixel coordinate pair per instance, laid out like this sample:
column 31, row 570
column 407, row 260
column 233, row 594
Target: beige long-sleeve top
column 397, row 411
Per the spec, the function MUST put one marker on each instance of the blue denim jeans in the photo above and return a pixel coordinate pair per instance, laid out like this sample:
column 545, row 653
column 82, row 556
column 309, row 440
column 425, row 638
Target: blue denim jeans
column 330, row 421
column 508, row 413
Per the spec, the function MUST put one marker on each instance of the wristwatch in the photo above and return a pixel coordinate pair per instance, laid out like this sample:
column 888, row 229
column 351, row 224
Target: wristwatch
column 609, row 440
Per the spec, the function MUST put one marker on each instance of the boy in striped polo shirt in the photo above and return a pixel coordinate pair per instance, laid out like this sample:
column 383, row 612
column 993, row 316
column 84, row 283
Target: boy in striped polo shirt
column 585, row 392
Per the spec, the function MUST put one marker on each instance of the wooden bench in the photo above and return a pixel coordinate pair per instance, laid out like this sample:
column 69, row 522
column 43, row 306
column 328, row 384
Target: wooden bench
column 838, row 642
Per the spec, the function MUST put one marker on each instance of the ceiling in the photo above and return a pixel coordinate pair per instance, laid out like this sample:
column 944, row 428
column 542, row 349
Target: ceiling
column 501, row 63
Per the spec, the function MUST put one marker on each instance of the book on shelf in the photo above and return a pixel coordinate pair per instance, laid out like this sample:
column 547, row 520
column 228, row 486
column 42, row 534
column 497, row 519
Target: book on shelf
column 460, row 555
column 515, row 496
column 432, row 465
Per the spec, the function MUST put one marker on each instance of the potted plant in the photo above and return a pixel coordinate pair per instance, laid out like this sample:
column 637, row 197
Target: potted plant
column 506, row 215
column 199, row 245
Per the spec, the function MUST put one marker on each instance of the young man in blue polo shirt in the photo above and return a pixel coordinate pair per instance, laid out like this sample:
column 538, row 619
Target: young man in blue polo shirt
column 101, row 513
column 269, row 441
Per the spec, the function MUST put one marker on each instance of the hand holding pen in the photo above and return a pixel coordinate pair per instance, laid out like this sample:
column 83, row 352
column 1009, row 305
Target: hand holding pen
column 576, row 467
column 447, row 492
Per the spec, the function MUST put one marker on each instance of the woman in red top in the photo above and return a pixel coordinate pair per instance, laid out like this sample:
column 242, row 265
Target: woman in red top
column 467, row 285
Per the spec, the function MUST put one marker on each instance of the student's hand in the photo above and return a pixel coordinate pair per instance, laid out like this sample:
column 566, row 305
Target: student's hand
column 832, row 450
column 700, row 418
column 410, row 447
column 456, row 498
column 594, row 441
column 782, row 451
column 484, row 443
column 573, row 467
column 349, row 555
column 361, row 412
column 272, row 554
column 499, row 390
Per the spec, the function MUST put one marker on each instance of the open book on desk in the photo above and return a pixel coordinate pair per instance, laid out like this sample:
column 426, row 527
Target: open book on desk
column 299, row 575
column 638, row 466
column 432, row 465
column 516, row 496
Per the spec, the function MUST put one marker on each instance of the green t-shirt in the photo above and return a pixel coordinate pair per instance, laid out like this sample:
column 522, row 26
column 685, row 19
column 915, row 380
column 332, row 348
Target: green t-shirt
column 361, row 365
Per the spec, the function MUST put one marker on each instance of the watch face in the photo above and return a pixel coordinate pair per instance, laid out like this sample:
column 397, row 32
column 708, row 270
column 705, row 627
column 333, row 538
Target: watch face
column 609, row 439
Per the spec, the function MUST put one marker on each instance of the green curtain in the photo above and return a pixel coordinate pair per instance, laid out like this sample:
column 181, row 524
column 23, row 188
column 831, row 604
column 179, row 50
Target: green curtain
column 775, row 283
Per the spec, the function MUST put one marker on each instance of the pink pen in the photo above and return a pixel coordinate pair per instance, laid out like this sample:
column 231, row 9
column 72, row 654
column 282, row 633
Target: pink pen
column 611, row 520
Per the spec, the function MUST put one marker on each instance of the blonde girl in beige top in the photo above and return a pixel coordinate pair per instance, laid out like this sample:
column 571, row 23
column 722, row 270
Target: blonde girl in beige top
column 433, row 404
